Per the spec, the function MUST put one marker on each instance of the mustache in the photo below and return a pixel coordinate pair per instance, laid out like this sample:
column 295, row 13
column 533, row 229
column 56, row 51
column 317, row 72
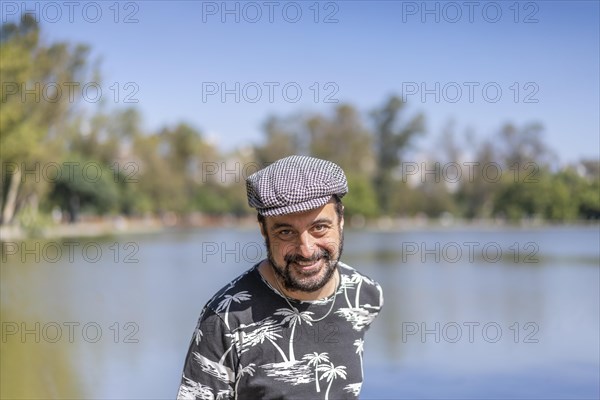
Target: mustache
column 292, row 258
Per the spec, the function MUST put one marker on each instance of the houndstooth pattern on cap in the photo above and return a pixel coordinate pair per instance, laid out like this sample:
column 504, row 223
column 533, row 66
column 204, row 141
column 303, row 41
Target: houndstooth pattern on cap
column 295, row 184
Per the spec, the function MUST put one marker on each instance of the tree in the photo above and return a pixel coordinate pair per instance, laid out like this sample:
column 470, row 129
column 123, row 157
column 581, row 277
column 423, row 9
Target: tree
column 85, row 185
column 589, row 193
column 344, row 140
column 362, row 199
column 281, row 140
column 160, row 188
column 392, row 138
column 35, row 104
column 518, row 147
column 480, row 182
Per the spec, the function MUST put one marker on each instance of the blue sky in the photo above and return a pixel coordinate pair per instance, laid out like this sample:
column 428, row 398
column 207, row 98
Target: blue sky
column 448, row 58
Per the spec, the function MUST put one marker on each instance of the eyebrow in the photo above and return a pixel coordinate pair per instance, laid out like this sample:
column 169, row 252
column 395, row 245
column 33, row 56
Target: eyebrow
column 278, row 225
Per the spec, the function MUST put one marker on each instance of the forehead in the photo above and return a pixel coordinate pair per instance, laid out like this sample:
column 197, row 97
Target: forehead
column 305, row 218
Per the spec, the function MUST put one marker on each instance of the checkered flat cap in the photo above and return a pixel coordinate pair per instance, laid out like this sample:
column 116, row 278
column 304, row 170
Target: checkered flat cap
column 295, row 184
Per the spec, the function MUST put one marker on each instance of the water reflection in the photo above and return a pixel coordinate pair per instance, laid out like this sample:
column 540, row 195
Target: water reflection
column 38, row 361
column 452, row 327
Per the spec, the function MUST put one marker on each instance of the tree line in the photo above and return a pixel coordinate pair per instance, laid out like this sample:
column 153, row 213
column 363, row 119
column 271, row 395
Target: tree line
column 60, row 156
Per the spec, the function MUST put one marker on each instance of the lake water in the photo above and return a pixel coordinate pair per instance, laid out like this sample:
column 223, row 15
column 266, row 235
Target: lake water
column 469, row 313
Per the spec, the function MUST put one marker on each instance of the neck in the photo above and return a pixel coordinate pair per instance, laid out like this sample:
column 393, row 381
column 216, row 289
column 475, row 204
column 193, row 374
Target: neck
column 266, row 270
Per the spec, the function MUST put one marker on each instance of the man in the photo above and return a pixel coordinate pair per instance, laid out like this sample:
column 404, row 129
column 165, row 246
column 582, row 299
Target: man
column 292, row 326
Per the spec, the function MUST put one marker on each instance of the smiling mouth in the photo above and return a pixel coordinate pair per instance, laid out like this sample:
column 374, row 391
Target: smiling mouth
column 307, row 266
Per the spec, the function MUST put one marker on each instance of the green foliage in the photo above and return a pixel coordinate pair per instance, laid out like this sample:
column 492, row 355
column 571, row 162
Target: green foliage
column 392, row 138
column 216, row 199
column 580, row 195
column 123, row 169
column 85, row 186
column 281, row 141
column 405, row 200
column 518, row 200
column 361, row 198
column 589, row 201
column 436, row 200
column 562, row 196
column 344, row 140
column 31, row 123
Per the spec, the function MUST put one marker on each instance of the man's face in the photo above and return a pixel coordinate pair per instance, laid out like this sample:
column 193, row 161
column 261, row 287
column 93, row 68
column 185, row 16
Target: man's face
column 304, row 248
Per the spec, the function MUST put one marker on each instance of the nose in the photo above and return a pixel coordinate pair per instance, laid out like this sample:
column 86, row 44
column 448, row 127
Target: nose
column 306, row 245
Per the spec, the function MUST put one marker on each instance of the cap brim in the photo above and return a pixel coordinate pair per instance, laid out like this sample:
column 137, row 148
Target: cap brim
column 295, row 208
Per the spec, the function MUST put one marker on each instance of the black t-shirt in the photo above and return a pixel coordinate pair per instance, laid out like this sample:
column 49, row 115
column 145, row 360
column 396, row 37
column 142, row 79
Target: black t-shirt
column 250, row 344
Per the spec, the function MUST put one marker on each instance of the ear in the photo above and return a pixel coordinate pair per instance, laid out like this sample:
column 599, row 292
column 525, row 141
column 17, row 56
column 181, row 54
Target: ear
column 342, row 219
column 262, row 229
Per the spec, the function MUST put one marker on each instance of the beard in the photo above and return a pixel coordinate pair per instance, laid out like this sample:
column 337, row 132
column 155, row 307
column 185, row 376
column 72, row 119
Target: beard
column 293, row 283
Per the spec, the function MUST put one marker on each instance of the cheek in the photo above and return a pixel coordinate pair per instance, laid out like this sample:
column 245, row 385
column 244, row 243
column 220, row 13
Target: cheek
column 331, row 244
column 280, row 249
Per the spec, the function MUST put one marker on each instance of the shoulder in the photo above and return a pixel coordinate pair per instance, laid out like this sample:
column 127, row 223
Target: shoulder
column 235, row 291
column 347, row 272
column 371, row 294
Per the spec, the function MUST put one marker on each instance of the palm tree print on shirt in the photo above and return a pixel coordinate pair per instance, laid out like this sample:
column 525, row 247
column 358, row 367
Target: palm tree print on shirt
column 295, row 373
column 359, row 279
column 359, row 316
column 228, row 299
column 360, row 344
column 293, row 317
column 289, row 370
column 353, row 388
column 198, row 336
column 219, row 371
column 234, row 337
column 224, row 394
column 193, row 390
column 330, row 373
column 347, row 283
column 248, row 369
column 267, row 329
column 315, row 359
column 269, row 354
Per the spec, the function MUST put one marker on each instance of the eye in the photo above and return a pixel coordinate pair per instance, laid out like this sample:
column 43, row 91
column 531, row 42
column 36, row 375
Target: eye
column 285, row 234
column 320, row 228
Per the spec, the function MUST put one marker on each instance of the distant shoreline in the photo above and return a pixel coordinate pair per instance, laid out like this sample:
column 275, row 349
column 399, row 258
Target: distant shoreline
column 97, row 226
column 80, row 229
